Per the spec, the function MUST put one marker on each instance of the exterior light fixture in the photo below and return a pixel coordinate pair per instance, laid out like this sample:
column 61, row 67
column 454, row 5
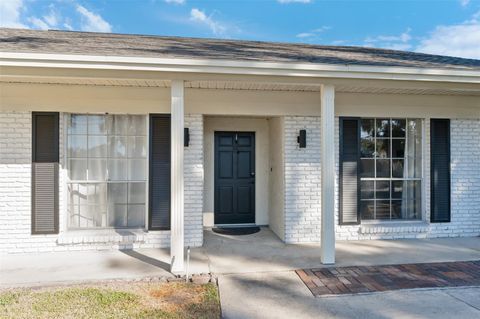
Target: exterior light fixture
column 302, row 139
column 186, row 137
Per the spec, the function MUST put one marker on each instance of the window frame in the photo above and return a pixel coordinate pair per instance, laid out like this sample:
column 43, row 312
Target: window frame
column 391, row 179
column 68, row 181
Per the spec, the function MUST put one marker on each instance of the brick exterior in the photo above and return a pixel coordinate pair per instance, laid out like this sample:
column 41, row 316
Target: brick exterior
column 302, row 187
column 465, row 192
column 465, row 181
column 193, row 174
column 15, row 186
column 15, row 196
column 302, row 181
column 301, row 193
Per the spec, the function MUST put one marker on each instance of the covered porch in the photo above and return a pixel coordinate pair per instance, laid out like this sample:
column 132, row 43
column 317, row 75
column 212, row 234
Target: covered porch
column 260, row 98
column 321, row 97
column 253, row 194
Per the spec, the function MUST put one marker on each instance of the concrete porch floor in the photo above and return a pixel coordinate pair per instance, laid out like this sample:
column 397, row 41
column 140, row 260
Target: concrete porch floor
column 265, row 252
column 257, row 253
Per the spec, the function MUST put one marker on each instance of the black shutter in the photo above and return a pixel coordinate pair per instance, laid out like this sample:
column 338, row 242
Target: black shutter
column 45, row 156
column 440, row 170
column 159, row 186
column 349, row 187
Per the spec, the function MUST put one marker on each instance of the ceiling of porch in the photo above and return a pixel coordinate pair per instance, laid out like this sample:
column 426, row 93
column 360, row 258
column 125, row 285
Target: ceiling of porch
column 244, row 85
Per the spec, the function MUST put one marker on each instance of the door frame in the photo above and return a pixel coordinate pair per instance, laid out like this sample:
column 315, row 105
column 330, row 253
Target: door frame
column 215, row 132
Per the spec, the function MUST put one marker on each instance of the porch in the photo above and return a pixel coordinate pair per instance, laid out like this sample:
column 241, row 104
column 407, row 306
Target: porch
column 319, row 104
column 221, row 255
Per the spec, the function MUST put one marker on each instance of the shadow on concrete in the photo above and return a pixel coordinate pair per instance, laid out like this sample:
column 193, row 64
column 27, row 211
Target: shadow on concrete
column 146, row 259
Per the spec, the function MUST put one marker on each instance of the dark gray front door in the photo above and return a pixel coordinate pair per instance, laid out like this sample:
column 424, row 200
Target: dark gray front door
column 234, row 177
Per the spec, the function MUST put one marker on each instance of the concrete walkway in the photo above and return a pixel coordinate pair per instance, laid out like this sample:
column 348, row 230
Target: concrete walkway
column 259, row 282
column 256, row 276
column 283, row 295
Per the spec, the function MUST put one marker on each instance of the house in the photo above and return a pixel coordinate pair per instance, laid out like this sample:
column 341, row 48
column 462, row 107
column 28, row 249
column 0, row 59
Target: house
column 113, row 141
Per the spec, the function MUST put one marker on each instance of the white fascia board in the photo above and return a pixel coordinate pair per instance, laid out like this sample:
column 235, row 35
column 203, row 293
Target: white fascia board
column 182, row 65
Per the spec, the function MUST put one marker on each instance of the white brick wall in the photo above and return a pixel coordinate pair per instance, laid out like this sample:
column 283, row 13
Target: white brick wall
column 15, row 183
column 193, row 168
column 465, row 181
column 302, row 187
column 465, row 191
column 15, row 196
column 302, row 181
column 301, row 202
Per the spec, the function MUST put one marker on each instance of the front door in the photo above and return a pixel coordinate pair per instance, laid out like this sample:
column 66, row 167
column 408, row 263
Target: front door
column 234, row 178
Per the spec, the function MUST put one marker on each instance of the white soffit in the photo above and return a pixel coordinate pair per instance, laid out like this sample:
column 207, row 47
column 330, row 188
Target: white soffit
column 238, row 85
column 316, row 88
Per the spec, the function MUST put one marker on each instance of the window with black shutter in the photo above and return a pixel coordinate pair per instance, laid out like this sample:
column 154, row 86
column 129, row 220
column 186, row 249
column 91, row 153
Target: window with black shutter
column 159, row 187
column 45, row 157
column 440, row 170
column 380, row 169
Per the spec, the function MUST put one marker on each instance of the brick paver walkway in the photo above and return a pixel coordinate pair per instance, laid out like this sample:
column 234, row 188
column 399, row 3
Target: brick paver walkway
column 351, row 280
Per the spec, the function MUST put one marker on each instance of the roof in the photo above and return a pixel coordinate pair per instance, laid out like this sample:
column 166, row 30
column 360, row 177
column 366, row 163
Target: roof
column 111, row 44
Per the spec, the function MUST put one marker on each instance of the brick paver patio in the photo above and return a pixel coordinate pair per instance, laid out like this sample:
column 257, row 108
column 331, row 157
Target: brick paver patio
column 351, row 280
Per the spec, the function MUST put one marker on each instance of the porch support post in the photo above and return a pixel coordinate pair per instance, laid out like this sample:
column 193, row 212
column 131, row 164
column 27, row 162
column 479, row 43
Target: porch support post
column 327, row 97
column 177, row 264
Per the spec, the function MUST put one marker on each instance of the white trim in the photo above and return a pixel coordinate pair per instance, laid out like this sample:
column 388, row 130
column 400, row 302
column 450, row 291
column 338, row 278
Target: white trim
column 221, row 66
column 327, row 119
column 66, row 118
column 147, row 184
column 177, row 235
column 423, row 201
column 64, row 173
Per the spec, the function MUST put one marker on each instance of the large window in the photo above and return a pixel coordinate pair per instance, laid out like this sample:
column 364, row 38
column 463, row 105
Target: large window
column 391, row 169
column 107, row 160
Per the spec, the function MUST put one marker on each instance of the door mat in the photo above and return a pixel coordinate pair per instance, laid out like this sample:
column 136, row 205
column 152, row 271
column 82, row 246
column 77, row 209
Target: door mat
column 236, row 231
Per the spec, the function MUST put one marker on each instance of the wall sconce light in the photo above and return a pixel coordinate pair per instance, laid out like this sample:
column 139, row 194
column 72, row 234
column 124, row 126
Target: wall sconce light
column 302, row 139
column 186, row 137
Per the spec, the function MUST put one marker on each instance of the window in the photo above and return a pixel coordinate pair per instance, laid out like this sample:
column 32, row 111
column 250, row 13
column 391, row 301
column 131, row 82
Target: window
column 390, row 169
column 107, row 160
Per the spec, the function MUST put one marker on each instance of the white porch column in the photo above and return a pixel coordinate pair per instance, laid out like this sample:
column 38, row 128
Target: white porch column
column 327, row 97
column 177, row 264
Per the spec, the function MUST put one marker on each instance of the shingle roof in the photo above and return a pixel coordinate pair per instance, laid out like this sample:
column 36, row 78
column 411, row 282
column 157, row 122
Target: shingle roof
column 110, row 44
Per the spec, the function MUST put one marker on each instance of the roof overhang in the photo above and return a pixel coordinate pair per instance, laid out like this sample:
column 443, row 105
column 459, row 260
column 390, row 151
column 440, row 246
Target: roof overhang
column 229, row 67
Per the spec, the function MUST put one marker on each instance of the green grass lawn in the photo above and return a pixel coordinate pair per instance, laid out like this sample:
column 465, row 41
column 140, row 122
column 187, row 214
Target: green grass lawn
column 113, row 300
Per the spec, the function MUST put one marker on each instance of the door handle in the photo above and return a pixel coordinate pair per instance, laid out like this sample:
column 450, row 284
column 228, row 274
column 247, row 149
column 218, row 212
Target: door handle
column 252, row 174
